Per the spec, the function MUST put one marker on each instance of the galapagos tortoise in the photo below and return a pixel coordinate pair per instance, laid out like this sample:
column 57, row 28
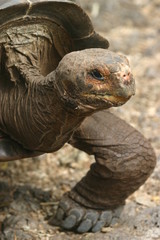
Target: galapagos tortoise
column 57, row 79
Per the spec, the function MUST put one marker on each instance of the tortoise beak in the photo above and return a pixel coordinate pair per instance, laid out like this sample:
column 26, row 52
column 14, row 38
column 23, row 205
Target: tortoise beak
column 122, row 85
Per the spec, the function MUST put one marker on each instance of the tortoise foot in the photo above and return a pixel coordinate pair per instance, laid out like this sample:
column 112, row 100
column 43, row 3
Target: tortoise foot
column 72, row 216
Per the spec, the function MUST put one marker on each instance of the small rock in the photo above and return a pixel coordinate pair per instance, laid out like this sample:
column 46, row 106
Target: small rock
column 106, row 229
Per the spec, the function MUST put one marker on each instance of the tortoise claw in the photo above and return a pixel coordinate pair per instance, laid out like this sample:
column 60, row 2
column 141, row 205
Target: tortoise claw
column 72, row 216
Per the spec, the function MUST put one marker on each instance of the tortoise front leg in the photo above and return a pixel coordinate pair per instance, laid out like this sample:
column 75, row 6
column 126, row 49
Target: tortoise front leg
column 11, row 150
column 124, row 160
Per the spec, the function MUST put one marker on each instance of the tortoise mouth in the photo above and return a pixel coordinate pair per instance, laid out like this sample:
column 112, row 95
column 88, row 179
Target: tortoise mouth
column 108, row 98
column 114, row 99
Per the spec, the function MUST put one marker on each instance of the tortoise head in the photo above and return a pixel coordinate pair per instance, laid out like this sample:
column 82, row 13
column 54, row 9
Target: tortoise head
column 95, row 78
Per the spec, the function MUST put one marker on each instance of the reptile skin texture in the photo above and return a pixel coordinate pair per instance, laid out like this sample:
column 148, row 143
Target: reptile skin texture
column 124, row 160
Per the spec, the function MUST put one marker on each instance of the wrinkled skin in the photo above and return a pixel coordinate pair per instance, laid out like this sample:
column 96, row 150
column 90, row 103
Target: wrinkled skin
column 45, row 102
column 124, row 160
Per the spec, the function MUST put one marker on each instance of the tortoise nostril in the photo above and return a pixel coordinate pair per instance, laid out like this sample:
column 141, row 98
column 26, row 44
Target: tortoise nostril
column 126, row 77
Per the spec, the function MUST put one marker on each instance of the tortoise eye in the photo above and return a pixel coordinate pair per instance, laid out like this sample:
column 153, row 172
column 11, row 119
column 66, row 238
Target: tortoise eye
column 97, row 75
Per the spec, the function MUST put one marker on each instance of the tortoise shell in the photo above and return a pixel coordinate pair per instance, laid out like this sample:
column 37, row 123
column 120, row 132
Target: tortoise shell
column 65, row 13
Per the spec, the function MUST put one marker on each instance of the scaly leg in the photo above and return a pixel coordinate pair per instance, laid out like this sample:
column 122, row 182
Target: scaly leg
column 124, row 160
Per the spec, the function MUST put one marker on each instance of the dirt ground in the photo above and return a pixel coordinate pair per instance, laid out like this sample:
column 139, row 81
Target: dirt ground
column 30, row 189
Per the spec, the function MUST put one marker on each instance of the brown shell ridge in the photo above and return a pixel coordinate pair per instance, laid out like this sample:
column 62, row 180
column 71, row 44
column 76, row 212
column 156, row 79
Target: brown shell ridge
column 66, row 13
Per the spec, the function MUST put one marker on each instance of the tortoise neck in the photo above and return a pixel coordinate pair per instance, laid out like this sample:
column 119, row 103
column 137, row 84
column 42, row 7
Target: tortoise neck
column 57, row 120
column 34, row 115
